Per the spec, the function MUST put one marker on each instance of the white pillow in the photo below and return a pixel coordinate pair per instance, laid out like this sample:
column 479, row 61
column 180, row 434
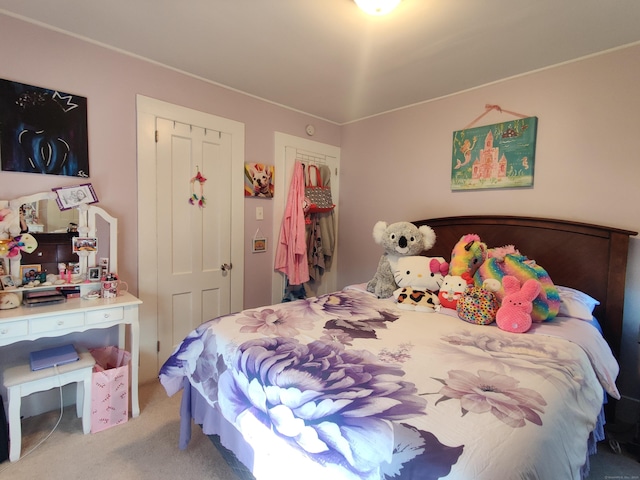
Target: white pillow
column 576, row 304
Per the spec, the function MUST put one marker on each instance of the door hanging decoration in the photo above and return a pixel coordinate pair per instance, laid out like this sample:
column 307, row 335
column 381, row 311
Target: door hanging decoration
column 194, row 198
column 258, row 180
column 501, row 155
column 43, row 131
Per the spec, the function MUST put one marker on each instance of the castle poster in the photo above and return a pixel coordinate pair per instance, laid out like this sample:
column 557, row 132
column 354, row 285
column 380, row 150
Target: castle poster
column 494, row 156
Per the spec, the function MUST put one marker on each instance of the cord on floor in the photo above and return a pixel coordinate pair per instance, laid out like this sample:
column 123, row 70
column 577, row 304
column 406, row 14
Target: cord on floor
column 52, row 430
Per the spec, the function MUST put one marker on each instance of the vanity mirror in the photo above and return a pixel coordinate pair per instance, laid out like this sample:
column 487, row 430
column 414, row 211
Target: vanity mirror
column 39, row 216
column 44, row 216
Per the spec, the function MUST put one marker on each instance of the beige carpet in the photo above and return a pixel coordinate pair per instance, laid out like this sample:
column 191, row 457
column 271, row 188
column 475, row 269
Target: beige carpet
column 143, row 448
column 147, row 448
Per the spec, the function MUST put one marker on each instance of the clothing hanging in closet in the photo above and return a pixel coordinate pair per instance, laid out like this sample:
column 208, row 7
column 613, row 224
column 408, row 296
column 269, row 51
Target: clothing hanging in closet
column 291, row 251
column 321, row 235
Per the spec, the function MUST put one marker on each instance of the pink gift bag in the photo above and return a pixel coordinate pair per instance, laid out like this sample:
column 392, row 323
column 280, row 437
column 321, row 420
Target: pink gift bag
column 109, row 388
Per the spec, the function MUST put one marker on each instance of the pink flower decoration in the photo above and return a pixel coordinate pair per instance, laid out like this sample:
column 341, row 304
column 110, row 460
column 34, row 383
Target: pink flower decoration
column 495, row 393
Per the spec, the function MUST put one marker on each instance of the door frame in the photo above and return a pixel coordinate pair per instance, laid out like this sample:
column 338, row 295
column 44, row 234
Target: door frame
column 282, row 141
column 147, row 111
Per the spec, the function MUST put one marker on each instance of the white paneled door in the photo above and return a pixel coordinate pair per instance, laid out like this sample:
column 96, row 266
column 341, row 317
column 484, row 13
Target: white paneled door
column 190, row 236
column 194, row 226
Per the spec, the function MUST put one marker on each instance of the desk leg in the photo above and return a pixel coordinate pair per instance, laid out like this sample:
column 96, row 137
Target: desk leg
column 131, row 319
column 135, row 363
column 14, row 399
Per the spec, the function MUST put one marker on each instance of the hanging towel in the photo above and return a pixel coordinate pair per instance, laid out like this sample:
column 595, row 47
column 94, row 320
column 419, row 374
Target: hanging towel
column 291, row 252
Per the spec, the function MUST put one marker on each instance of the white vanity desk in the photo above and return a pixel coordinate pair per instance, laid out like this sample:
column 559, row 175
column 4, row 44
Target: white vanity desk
column 78, row 315
column 75, row 314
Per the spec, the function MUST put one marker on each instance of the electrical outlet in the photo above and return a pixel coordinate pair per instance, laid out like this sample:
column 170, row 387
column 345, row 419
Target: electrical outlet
column 259, row 213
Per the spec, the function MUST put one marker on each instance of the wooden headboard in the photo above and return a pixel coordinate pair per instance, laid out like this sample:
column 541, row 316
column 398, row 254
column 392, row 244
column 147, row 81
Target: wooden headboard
column 589, row 258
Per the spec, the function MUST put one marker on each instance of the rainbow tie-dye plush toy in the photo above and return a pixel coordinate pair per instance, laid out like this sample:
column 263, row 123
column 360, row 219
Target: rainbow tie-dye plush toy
column 467, row 255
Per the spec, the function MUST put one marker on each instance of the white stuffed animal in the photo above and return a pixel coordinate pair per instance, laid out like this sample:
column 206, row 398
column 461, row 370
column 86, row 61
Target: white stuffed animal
column 419, row 279
column 9, row 223
column 418, row 271
column 9, row 300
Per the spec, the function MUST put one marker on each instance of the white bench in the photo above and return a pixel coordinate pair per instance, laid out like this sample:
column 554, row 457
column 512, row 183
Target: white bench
column 21, row 381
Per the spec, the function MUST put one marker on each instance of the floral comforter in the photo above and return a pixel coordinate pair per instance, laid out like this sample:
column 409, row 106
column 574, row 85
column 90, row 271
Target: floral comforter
column 347, row 386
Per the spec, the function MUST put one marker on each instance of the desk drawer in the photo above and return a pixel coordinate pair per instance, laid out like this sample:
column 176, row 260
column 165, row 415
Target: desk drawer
column 13, row 329
column 59, row 322
column 105, row 315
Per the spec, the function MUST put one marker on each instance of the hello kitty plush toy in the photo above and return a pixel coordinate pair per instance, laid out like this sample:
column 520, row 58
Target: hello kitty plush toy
column 419, row 279
column 452, row 288
column 514, row 314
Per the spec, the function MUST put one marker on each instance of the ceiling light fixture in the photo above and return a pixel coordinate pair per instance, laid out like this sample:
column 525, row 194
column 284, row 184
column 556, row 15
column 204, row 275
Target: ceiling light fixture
column 377, row 7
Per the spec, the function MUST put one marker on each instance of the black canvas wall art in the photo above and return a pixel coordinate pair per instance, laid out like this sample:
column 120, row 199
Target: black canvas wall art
column 43, row 131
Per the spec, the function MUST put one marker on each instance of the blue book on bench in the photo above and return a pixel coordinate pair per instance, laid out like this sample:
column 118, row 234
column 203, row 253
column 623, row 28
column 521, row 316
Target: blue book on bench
column 53, row 356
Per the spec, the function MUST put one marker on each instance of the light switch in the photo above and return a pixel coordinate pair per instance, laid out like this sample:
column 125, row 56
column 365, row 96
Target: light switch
column 259, row 213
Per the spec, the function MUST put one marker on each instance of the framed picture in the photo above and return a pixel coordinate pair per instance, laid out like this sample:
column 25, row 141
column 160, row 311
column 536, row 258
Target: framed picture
column 84, row 244
column 29, row 273
column 7, row 282
column 104, row 267
column 69, row 197
column 44, row 131
column 501, row 155
column 259, row 245
column 258, row 180
column 94, row 274
column 74, row 268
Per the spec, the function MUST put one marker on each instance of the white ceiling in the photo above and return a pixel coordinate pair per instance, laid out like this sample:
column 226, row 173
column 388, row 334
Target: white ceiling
column 328, row 59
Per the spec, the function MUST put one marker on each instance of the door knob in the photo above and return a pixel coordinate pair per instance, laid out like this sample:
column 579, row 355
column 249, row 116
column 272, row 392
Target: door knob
column 226, row 266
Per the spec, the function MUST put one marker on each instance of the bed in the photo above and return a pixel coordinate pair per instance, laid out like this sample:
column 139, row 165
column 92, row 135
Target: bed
column 348, row 386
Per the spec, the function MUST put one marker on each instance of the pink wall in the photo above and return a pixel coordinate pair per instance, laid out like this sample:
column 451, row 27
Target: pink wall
column 587, row 166
column 110, row 81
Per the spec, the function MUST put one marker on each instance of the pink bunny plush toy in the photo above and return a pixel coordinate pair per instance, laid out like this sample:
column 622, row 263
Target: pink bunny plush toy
column 514, row 314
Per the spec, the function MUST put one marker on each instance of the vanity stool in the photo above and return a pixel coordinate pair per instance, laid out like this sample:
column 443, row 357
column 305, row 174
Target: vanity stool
column 21, row 381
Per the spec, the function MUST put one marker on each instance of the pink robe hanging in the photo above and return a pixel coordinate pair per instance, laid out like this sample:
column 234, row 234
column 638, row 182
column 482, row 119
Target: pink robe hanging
column 291, row 252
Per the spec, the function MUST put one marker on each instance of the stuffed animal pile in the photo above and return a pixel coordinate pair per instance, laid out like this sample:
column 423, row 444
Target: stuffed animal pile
column 483, row 285
column 471, row 257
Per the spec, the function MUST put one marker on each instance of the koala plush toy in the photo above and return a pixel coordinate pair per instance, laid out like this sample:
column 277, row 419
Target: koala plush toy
column 399, row 239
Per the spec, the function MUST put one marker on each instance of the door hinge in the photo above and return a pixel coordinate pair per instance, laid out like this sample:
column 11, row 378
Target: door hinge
column 158, row 347
column 156, row 136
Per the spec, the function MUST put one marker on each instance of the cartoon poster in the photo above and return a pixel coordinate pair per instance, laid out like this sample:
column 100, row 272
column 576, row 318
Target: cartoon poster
column 258, row 180
column 42, row 131
column 494, row 156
